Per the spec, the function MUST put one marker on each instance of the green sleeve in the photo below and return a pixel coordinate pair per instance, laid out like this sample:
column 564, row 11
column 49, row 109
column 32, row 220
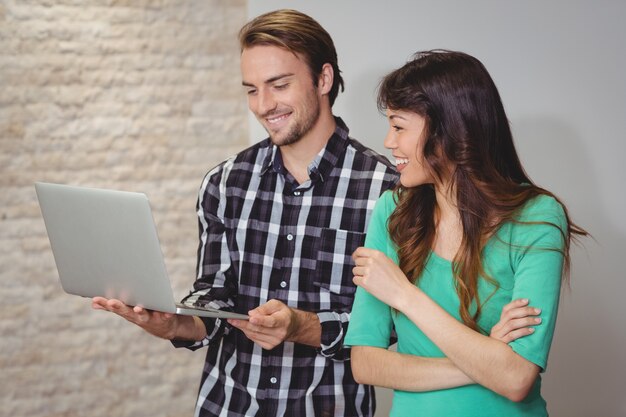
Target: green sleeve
column 537, row 257
column 370, row 322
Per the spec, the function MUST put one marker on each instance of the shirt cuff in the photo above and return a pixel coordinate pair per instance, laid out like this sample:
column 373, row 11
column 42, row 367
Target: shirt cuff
column 333, row 333
column 212, row 325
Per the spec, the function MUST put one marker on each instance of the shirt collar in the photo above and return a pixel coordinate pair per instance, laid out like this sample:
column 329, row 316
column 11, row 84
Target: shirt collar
column 325, row 160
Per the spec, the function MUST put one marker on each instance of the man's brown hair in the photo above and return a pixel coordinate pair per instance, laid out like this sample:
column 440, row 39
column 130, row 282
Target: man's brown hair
column 298, row 33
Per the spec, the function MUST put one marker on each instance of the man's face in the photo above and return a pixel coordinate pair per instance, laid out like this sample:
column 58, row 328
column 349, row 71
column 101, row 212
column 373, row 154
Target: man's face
column 281, row 92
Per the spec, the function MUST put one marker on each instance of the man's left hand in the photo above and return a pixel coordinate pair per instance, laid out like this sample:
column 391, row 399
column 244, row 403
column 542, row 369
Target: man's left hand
column 269, row 325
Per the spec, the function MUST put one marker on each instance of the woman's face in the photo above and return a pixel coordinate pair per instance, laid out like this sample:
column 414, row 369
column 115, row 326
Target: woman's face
column 405, row 139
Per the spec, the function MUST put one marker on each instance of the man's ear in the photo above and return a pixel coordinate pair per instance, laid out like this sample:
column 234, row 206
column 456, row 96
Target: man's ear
column 325, row 79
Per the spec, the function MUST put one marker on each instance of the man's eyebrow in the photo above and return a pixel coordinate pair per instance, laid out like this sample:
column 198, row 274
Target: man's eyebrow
column 269, row 80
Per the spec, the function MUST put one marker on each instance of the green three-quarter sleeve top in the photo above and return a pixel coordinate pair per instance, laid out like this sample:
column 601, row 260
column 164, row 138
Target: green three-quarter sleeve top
column 525, row 258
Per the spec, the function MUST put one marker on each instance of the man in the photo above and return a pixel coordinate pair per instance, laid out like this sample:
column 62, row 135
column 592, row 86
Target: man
column 278, row 224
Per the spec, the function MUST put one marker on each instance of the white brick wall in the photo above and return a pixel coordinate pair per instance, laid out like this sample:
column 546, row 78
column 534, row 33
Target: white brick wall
column 139, row 95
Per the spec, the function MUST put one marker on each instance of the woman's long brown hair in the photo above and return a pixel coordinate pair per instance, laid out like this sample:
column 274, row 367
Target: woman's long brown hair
column 466, row 127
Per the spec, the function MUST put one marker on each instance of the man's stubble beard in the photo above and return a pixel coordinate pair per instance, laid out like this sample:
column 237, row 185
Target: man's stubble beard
column 300, row 128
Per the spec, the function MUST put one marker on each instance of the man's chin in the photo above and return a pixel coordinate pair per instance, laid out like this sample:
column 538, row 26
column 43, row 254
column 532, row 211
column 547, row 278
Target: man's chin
column 284, row 139
column 275, row 137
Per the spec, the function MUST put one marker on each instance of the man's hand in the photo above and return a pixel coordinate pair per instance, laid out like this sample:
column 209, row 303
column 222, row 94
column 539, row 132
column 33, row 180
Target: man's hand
column 274, row 322
column 516, row 321
column 164, row 325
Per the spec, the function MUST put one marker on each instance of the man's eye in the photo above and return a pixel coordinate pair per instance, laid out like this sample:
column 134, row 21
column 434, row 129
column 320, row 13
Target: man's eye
column 250, row 92
column 281, row 86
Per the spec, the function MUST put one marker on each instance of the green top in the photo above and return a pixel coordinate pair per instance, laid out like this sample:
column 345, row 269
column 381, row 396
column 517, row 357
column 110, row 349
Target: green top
column 523, row 260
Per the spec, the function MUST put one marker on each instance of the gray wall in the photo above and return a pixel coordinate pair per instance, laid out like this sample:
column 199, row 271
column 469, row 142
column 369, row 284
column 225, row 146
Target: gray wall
column 559, row 66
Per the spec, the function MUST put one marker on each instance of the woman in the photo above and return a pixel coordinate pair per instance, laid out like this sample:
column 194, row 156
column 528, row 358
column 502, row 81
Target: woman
column 465, row 232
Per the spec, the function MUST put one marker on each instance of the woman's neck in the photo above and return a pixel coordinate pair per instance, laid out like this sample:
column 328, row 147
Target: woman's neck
column 448, row 226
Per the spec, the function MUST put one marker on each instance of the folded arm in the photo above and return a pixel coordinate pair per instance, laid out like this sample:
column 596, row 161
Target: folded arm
column 390, row 369
column 485, row 360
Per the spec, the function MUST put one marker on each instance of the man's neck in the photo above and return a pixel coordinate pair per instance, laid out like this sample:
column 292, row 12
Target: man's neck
column 298, row 156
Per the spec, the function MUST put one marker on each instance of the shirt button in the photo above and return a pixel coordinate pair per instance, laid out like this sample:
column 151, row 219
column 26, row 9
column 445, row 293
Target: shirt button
column 296, row 193
column 283, row 284
column 289, row 236
column 273, row 380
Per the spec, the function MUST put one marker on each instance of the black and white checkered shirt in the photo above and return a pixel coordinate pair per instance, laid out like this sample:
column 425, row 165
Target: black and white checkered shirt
column 264, row 236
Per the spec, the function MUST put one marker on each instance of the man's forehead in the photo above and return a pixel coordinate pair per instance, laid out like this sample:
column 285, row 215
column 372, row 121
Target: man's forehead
column 268, row 63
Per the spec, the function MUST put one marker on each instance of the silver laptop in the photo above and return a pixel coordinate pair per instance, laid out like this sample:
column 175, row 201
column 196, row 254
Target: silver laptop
column 105, row 244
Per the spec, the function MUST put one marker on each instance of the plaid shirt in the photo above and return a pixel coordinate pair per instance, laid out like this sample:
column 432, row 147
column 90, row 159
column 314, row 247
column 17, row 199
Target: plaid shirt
column 264, row 236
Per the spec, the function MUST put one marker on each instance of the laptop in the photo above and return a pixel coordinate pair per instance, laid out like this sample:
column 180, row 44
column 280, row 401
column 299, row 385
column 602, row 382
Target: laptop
column 105, row 243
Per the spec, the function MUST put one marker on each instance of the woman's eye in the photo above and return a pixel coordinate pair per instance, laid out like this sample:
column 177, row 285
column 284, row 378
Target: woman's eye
column 396, row 128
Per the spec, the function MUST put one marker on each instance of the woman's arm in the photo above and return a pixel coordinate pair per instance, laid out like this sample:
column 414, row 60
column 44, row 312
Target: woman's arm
column 489, row 362
column 390, row 369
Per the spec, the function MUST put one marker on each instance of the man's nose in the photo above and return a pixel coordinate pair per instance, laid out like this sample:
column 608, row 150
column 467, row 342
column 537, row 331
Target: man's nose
column 266, row 102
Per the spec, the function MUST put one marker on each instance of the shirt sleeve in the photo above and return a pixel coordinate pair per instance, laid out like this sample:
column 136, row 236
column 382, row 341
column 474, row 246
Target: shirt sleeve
column 371, row 323
column 334, row 263
column 538, row 243
column 335, row 323
column 216, row 283
column 334, row 326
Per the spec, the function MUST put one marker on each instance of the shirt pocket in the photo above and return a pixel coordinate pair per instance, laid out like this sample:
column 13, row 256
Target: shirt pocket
column 333, row 275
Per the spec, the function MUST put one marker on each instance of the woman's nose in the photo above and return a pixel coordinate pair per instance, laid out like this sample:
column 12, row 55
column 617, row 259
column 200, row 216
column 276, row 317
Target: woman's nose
column 390, row 140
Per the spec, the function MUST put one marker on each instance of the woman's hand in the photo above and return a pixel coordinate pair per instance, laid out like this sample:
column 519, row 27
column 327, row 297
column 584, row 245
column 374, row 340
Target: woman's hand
column 516, row 321
column 381, row 277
